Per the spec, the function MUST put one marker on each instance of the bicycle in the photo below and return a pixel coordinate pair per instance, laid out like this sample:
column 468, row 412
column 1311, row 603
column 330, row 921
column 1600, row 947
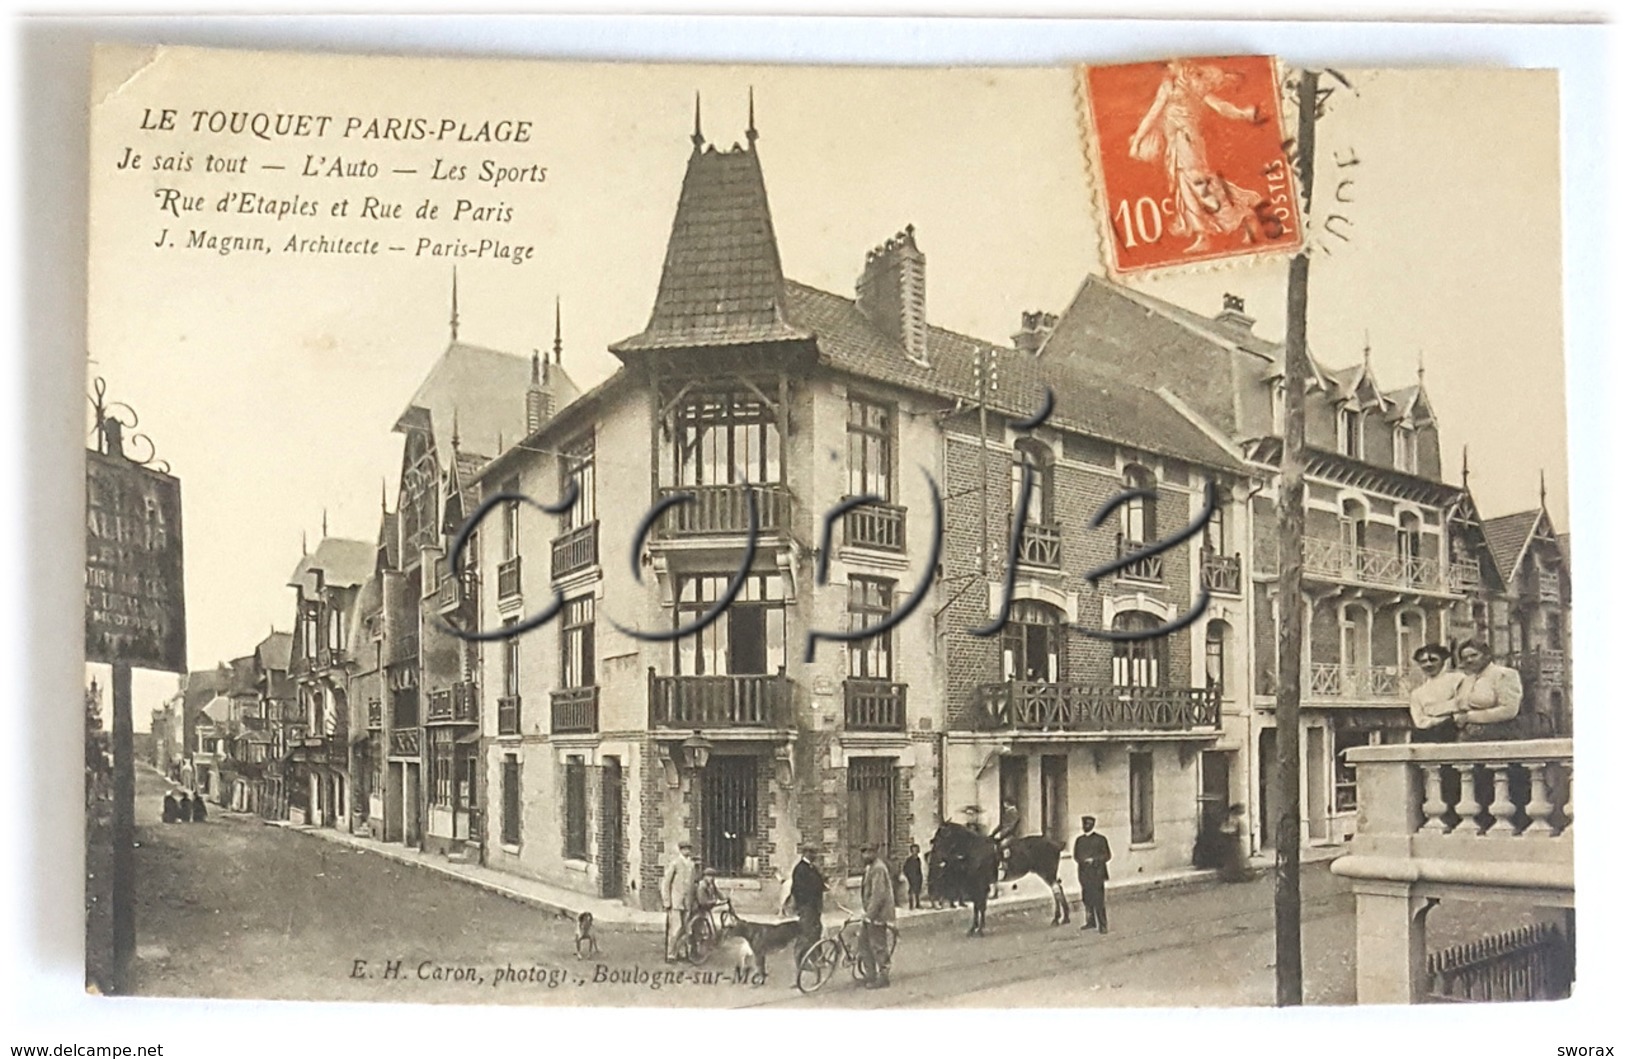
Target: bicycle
column 702, row 930
column 840, row 948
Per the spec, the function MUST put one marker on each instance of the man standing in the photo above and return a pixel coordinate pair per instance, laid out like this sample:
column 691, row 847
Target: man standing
column 879, row 911
column 1091, row 852
column 677, row 897
column 807, row 887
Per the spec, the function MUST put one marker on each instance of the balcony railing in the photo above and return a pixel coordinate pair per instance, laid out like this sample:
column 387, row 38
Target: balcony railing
column 1026, row 705
column 1333, row 680
column 1147, row 569
column 876, row 706
column 743, row 701
column 881, row 526
column 508, row 715
column 331, row 656
column 375, row 715
column 575, row 710
column 1549, row 587
column 723, row 510
column 404, row 742
column 1541, row 664
column 1464, row 577
column 1221, row 573
column 465, row 701
column 1341, row 561
column 449, row 596
column 508, row 578
column 439, row 706
column 1040, row 546
column 575, row 550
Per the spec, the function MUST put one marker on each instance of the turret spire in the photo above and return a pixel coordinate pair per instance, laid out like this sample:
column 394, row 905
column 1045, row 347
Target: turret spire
column 698, row 137
column 324, row 523
column 1543, row 489
column 750, row 119
column 1464, row 466
column 456, row 430
column 1366, row 356
column 1420, row 368
column 454, row 303
column 304, row 546
column 558, row 331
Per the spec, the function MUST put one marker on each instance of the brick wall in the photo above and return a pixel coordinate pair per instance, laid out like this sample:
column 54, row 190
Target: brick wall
column 651, row 859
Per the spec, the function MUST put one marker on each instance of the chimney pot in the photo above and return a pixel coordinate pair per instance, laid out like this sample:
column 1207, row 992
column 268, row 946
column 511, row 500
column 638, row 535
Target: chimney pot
column 1035, row 330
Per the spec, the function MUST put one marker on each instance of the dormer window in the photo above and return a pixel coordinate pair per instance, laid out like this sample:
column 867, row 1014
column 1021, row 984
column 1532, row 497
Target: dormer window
column 1350, row 441
column 1405, row 447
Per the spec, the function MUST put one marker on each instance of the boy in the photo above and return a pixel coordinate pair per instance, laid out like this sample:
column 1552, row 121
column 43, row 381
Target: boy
column 911, row 872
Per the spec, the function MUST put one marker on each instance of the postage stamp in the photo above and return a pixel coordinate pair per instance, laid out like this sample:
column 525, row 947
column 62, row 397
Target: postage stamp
column 1190, row 161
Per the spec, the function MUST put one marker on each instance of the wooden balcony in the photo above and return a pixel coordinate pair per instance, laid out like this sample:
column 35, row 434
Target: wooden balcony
column 1147, row 569
column 1039, row 706
column 508, row 579
column 449, row 596
column 451, row 705
column 404, row 742
column 465, row 702
column 575, row 710
column 1464, row 578
column 575, row 550
column 723, row 511
column 883, row 527
column 1040, row 546
column 1337, row 560
column 508, row 715
column 1221, row 573
column 1333, row 680
column 876, row 706
column 757, row 700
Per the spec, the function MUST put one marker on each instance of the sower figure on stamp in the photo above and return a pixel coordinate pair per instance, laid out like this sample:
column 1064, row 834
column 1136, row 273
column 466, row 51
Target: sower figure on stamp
column 677, row 897
column 1091, row 852
column 807, row 887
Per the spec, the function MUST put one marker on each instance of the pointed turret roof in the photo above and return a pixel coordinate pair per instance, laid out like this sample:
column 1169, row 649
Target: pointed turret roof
column 722, row 283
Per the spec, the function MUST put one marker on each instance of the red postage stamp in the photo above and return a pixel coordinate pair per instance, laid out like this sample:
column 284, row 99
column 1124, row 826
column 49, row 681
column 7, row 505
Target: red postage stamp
column 1190, row 161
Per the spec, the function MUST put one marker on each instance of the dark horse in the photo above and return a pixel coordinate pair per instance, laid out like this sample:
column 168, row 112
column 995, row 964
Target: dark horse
column 969, row 862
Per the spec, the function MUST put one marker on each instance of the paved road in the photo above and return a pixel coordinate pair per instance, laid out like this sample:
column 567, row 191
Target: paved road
column 234, row 908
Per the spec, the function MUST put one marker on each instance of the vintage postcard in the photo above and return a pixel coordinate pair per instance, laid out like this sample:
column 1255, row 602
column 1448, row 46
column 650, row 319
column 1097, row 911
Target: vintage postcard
column 572, row 534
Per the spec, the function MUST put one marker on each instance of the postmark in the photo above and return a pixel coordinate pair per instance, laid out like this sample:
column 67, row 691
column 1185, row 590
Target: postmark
column 1190, row 163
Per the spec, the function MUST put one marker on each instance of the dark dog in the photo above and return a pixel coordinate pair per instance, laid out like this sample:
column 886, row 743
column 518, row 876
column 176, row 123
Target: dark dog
column 586, row 937
column 761, row 940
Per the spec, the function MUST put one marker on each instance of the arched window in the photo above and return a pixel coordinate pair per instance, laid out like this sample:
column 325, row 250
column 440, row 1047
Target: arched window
column 1033, row 642
column 1405, row 447
column 1138, row 663
column 1410, row 547
column 1218, row 636
column 1034, row 454
column 1139, row 514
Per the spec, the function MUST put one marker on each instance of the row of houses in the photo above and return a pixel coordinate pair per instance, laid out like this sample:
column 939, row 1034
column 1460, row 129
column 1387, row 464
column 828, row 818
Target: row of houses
column 776, row 469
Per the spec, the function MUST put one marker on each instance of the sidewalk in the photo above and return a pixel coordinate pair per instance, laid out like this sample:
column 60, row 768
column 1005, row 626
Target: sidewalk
column 1032, row 893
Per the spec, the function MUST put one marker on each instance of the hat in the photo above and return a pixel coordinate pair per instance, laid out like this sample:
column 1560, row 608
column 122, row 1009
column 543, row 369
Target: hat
column 710, row 871
column 1432, row 650
column 685, row 844
column 1088, row 819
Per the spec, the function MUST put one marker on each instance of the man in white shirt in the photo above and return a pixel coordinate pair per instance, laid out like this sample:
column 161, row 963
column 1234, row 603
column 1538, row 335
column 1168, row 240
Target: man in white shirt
column 677, row 897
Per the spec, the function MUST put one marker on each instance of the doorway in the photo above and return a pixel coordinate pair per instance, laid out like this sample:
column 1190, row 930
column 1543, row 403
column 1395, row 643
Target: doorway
column 1314, row 764
column 1012, row 788
column 1215, row 796
column 1269, row 788
column 609, row 830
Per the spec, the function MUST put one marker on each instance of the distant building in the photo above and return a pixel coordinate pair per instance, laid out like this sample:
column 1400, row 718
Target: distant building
column 1527, row 624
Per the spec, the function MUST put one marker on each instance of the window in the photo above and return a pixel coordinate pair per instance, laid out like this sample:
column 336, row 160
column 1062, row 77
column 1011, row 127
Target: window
column 510, row 800
column 728, row 817
column 1412, row 635
column 1138, row 663
column 748, row 638
column 1052, row 797
column 1409, row 539
column 1217, row 633
column 723, row 437
column 1032, row 642
column 868, row 449
column 1554, row 632
column 1213, row 532
column 335, row 628
column 1139, row 514
column 575, row 808
column 510, row 521
column 576, row 668
column 310, row 613
column 870, row 792
column 1344, row 792
column 578, row 466
column 1405, row 448
column 510, row 664
column 1141, row 800
column 441, row 776
column 1349, row 435
column 1353, row 527
column 1034, row 454
column 869, row 602
column 465, row 775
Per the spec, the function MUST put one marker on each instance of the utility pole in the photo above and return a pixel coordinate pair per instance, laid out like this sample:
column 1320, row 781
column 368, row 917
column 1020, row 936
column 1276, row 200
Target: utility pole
column 1288, row 696
column 987, row 381
column 123, row 882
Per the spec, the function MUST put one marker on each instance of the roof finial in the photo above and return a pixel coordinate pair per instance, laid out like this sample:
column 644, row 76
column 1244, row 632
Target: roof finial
column 454, row 303
column 383, row 494
column 750, row 121
column 304, row 547
column 456, row 431
column 558, row 331
column 324, row 523
column 535, row 369
column 1420, row 368
column 1543, row 489
column 698, row 137
column 1366, row 356
column 1464, row 466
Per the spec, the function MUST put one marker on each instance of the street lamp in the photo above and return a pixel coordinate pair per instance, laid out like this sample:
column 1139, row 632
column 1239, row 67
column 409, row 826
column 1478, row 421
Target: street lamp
column 697, row 751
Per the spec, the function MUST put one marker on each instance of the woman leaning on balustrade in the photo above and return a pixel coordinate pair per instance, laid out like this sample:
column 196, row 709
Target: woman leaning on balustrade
column 1488, row 697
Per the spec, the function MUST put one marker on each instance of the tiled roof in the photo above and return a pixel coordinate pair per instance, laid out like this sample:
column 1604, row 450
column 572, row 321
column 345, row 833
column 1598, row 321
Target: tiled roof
column 722, row 282
column 1507, row 536
column 203, row 685
column 1086, row 400
column 275, row 651
column 478, row 394
column 344, row 563
column 218, row 709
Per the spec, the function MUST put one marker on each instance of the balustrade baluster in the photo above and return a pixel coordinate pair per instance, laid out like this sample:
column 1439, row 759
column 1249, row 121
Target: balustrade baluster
column 1467, row 808
column 1568, row 805
column 1502, row 808
column 1540, row 806
column 1434, row 806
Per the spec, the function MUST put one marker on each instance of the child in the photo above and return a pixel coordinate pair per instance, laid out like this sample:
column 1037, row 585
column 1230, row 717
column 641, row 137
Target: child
column 911, row 872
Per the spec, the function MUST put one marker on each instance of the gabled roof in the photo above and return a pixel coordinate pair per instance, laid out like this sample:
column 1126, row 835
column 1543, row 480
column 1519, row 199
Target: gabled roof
column 1087, row 400
column 275, row 652
column 722, row 283
column 1508, row 538
column 478, row 396
column 203, row 685
column 218, row 709
column 344, row 563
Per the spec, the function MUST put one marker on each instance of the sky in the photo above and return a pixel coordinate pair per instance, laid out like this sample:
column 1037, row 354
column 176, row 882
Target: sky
column 270, row 382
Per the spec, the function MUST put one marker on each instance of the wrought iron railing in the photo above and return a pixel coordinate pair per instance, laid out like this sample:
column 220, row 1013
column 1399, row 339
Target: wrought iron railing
column 877, row 525
column 1040, row 546
column 1221, row 573
column 1533, row 962
column 1333, row 680
column 1147, row 569
column 508, row 715
column 575, row 550
column 724, row 509
column 1027, row 705
column 876, row 706
column 508, row 578
column 575, row 710
column 757, row 700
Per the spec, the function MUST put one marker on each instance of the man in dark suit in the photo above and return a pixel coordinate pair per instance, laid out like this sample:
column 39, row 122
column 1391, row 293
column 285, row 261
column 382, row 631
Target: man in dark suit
column 807, row 887
column 1090, row 853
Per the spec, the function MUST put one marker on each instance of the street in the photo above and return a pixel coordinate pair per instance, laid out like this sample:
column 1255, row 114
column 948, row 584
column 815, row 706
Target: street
column 233, row 908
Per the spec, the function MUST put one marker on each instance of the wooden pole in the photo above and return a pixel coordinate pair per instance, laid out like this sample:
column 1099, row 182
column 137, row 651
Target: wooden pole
column 123, row 828
column 1288, row 829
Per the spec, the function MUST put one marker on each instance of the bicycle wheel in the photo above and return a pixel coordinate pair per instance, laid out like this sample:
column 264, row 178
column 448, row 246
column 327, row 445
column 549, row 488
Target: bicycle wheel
column 702, row 938
column 818, row 965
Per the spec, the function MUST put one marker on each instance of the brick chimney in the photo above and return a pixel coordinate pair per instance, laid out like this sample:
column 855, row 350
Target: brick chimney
column 891, row 292
column 1035, row 329
column 1234, row 315
column 538, row 403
